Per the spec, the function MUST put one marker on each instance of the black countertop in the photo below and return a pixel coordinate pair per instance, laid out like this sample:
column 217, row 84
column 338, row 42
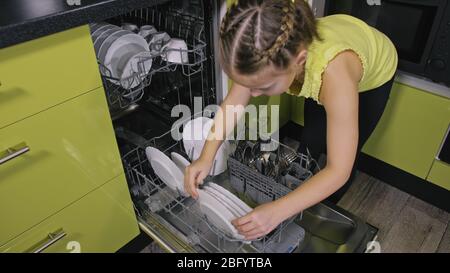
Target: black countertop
column 24, row 20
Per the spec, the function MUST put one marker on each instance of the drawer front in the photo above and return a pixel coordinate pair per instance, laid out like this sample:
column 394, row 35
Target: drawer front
column 411, row 130
column 42, row 73
column 72, row 151
column 440, row 174
column 102, row 221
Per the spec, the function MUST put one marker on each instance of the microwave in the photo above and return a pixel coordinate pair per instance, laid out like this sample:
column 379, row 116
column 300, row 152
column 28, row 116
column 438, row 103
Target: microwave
column 420, row 30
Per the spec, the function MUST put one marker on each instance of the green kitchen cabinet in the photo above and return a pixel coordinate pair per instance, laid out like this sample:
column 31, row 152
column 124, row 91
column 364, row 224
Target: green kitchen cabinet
column 440, row 174
column 297, row 110
column 72, row 151
column 58, row 148
column 39, row 74
column 411, row 130
column 102, row 221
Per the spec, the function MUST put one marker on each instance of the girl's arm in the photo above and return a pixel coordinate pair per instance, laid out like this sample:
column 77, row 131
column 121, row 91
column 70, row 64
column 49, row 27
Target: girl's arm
column 223, row 126
column 339, row 95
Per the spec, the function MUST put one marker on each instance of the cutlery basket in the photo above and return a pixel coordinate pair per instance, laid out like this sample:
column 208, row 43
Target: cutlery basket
column 263, row 189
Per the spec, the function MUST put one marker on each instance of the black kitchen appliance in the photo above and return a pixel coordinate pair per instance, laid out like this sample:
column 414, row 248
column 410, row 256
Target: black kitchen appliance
column 419, row 29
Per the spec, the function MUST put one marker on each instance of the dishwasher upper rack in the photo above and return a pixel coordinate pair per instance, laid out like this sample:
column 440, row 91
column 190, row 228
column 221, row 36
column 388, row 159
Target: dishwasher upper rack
column 161, row 199
column 122, row 93
column 188, row 27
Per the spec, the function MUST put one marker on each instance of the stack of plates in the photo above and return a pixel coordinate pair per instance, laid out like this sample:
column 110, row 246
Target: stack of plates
column 221, row 207
column 218, row 204
column 125, row 54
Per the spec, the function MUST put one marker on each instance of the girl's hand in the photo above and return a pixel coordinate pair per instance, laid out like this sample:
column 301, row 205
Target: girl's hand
column 194, row 175
column 260, row 222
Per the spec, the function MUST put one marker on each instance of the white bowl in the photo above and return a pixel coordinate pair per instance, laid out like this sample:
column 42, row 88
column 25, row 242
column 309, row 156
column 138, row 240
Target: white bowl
column 130, row 27
column 158, row 42
column 176, row 52
column 147, row 30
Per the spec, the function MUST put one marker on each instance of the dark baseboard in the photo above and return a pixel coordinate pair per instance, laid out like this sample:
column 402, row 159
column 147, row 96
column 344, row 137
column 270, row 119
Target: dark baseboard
column 389, row 174
column 137, row 244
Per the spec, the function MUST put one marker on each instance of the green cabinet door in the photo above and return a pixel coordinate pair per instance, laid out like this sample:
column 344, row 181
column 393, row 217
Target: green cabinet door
column 42, row 73
column 297, row 110
column 411, row 130
column 102, row 221
column 440, row 174
column 72, row 151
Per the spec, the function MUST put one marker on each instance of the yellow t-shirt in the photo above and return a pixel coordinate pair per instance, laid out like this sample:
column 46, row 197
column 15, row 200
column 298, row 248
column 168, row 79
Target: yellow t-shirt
column 342, row 32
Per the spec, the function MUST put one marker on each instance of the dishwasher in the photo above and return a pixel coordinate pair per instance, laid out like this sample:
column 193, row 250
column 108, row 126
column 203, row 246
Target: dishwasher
column 141, row 115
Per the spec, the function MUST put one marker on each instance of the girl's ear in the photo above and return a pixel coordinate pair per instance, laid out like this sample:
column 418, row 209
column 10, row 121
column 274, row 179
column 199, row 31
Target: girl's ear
column 301, row 57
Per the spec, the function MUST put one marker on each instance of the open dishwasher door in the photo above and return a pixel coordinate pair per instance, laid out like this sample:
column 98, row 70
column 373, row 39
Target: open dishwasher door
column 177, row 225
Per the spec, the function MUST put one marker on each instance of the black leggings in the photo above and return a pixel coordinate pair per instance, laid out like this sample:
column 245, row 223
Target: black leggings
column 371, row 107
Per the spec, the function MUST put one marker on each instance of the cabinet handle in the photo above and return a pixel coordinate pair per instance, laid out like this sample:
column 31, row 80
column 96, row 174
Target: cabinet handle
column 13, row 152
column 447, row 134
column 52, row 238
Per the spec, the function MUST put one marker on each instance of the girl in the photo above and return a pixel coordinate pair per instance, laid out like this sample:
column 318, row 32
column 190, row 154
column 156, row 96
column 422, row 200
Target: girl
column 344, row 68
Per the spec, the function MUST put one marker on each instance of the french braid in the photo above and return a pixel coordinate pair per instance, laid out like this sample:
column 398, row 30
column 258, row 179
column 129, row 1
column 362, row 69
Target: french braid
column 257, row 33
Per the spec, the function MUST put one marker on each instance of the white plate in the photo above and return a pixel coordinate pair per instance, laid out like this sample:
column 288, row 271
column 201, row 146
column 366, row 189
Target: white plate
column 121, row 40
column 237, row 212
column 104, row 47
column 166, row 169
column 218, row 214
column 137, row 67
column 99, row 30
column 151, row 153
column 102, row 37
column 233, row 198
column 96, row 26
column 180, row 161
column 121, row 66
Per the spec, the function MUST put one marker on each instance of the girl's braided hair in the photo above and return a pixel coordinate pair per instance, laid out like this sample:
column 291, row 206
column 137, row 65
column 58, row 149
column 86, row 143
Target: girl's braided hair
column 256, row 33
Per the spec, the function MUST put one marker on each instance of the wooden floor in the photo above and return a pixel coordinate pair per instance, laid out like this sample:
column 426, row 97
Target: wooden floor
column 406, row 224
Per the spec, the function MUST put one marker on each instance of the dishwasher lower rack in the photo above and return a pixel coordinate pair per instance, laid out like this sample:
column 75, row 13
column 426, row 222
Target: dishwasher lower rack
column 181, row 215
